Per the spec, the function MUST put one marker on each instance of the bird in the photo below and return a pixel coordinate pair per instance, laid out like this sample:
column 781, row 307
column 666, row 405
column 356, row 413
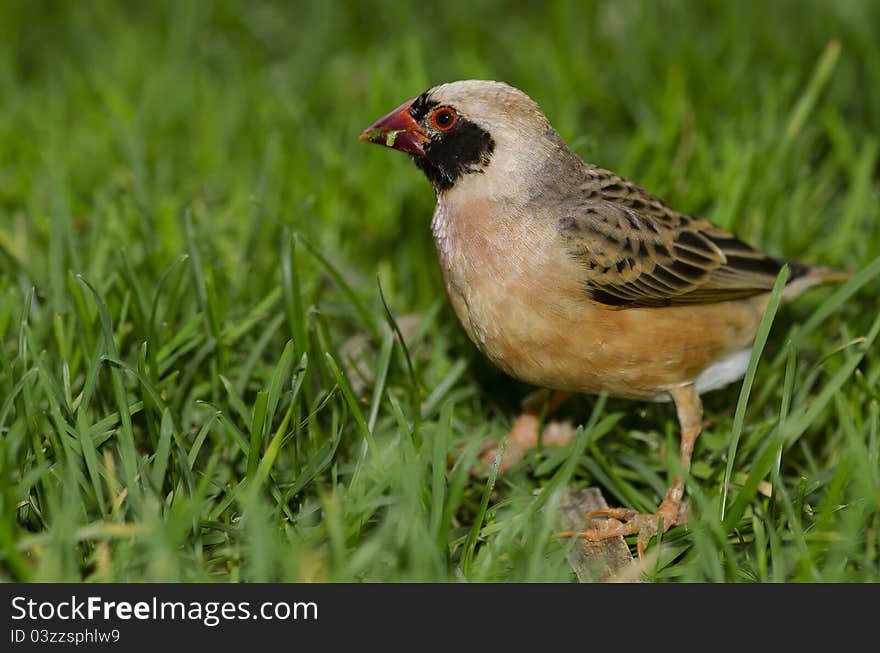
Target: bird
column 571, row 278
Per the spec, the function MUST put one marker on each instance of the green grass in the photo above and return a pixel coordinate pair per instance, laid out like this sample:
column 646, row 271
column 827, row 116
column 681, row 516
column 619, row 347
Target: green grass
column 190, row 232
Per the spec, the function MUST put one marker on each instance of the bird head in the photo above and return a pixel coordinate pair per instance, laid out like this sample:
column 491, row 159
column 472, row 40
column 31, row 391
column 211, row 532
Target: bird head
column 467, row 128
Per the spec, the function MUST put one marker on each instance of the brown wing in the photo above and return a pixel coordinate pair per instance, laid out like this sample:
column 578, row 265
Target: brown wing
column 636, row 251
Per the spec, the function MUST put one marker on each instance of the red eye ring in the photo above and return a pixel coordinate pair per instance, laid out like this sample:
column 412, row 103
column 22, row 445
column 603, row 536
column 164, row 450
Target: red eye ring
column 443, row 118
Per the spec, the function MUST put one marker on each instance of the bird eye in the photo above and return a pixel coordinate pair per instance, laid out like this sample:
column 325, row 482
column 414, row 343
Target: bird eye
column 443, row 119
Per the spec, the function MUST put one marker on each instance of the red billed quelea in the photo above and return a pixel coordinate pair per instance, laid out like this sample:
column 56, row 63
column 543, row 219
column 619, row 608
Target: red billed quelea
column 571, row 278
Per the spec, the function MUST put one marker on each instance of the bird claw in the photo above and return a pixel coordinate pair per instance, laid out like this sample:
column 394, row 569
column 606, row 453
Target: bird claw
column 621, row 522
column 623, row 514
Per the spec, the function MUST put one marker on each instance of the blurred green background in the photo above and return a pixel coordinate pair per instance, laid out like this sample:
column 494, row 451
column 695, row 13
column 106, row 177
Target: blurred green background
column 190, row 231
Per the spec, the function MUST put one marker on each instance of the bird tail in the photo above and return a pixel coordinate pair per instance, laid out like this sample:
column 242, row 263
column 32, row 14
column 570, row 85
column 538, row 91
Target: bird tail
column 806, row 276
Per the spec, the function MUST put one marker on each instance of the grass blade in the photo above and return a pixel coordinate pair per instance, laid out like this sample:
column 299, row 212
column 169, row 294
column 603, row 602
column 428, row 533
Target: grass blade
column 749, row 379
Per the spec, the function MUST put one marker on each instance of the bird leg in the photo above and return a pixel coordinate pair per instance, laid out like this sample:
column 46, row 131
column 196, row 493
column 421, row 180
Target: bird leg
column 624, row 521
column 525, row 432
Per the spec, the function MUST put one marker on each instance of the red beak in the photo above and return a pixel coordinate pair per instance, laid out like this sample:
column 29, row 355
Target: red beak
column 398, row 130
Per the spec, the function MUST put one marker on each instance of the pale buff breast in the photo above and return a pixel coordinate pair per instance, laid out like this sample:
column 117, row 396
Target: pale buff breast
column 521, row 299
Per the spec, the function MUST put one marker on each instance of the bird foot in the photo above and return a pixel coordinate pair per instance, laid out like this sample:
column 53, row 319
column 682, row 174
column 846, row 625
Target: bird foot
column 621, row 522
column 524, row 436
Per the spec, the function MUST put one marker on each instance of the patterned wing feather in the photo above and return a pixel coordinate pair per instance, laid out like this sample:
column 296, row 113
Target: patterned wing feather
column 636, row 251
